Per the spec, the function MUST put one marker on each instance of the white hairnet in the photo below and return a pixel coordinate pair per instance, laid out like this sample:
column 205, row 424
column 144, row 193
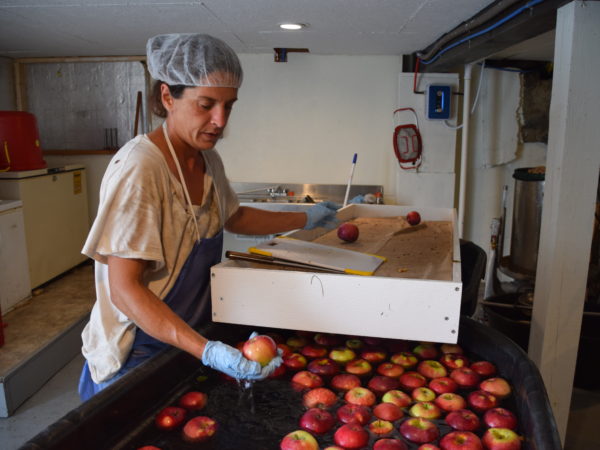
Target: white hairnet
column 193, row 60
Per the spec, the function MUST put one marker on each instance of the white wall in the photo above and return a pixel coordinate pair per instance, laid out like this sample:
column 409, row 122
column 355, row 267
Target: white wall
column 495, row 151
column 433, row 183
column 302, row 121
column 7, row 90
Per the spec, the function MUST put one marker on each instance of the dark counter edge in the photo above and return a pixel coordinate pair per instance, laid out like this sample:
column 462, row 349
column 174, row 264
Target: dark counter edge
column 123, row 399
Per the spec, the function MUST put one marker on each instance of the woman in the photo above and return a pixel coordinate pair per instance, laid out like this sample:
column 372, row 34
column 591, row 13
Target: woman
column 164, row 202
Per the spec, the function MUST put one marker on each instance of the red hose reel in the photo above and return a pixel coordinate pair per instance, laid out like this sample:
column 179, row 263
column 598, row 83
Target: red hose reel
column 408, row 146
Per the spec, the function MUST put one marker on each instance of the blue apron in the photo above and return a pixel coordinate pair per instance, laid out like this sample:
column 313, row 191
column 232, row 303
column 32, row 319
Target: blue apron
column 189, row 298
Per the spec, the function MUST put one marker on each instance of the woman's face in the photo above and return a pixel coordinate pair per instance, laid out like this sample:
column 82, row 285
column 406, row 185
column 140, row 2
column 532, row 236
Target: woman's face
column 200, row 115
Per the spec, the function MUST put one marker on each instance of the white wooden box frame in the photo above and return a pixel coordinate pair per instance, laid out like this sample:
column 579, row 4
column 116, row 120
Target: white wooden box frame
column 400, row 308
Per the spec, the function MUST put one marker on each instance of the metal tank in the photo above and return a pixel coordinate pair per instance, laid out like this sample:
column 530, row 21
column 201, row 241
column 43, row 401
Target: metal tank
column 527, row 219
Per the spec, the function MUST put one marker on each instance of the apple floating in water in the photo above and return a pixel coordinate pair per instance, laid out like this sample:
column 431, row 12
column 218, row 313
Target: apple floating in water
column 413, row 218
column 348, row 232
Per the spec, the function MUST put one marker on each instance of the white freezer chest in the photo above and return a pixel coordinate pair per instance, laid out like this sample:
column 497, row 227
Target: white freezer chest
column 384, row 306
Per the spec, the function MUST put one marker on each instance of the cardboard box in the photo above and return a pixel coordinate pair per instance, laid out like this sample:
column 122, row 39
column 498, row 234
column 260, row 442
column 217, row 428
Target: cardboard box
column 393, row 306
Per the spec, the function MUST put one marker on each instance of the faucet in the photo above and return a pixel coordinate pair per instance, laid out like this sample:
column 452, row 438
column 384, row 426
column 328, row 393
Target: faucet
column 277, row 192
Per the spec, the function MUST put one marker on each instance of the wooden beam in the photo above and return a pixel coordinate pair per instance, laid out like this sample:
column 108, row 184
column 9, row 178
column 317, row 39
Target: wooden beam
column 73, row 59
column 20, row 86
column 79, row 152
column 532, row 22
column 572, row 167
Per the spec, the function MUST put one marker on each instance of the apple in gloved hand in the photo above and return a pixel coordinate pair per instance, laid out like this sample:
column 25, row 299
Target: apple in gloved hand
column 348, row 232
column 261, row 348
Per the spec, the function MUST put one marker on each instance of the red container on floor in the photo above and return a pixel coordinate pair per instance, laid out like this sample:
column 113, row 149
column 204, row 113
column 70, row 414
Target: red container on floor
column 19, row 142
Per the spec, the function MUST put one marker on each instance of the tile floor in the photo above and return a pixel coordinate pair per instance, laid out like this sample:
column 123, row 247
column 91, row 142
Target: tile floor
column 59, row 395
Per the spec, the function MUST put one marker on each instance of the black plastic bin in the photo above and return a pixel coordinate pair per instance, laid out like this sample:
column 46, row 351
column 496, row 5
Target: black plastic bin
column 113, row 418
column 473, row 261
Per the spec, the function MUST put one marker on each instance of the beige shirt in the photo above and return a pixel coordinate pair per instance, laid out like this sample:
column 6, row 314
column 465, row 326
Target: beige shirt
column 143, row 215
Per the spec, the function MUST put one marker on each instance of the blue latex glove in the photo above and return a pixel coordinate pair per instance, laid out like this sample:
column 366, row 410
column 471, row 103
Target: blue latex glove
column 358, row 199
column 229, row 360
column 322, row 215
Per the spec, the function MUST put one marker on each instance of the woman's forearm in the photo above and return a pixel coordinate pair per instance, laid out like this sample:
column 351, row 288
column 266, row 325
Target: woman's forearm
column 146, row 310
column 249, row 220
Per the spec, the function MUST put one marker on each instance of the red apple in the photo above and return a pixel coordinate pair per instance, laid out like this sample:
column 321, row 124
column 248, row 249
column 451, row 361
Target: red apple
column 428, row 447
column 454, row 360
column 451, row 348
column 299, row 440
column 328, row 339
column 388, row 411
column 381, row 427
column 484, row 368
column 413, row 218
column 431, row 369
column 354, row 344
column 170, row 417
column 419, row 430
column 323, row 366
column 443, row 385
column 373, row 341
column 199, row 429
column 373, row 354
column 497, row 386
column 412, row 380
column 381, row 384
column 450, row 402
column 481, row 401
column 348, row 232
column 426, row 350
column 295, row 361
column 296, row 342
column 261, row 348
column 193, row 400
column 317, row 420
column 353, row 413
column 359, row 367
column 463, row 420
column 149, row 447
column 500, row 418
column 461, row 440
column 278, row 338
column 319, row 398
column 333, row 447
column 426, row 410
column 279, row 372
column 306, row 379
column 345, row 381
column 465, row 377
column 351, row 436
column 501, row 439
column 342, row 355
column 397, row 397
column 389, row 444
column 390, row 369
column 405, row 359
column 313, row 351
column 360, row 396
column 423, row 394
column 285, row 349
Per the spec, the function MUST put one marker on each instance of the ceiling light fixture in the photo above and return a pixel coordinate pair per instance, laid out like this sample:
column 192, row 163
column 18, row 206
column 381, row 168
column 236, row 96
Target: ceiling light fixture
column 292, row 26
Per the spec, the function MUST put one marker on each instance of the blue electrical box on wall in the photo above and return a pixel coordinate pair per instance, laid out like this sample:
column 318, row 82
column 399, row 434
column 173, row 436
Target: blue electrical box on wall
column 438, row 102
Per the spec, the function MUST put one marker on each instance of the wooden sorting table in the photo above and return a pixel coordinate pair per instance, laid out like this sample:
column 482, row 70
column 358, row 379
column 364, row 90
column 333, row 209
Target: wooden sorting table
column 415, row 294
